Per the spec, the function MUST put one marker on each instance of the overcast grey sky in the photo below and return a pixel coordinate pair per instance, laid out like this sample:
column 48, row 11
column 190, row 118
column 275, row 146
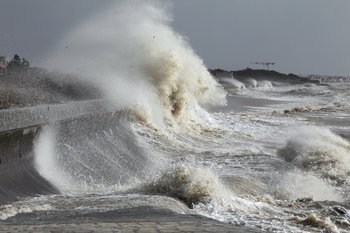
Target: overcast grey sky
column 301, row 36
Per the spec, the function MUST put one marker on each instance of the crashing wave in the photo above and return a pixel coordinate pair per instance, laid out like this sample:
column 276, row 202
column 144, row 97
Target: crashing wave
column 190, row 184
column 296, row 185
column 203, row 191
column 306, row 109
column 264, row 84
column 311, row 90
column 232, row 83
column 314, row 221
column 320, row 151
column 250, row 82
column 138, row 60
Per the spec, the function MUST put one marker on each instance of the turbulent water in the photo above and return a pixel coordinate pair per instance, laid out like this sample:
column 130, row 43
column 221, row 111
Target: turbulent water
column 267, row 155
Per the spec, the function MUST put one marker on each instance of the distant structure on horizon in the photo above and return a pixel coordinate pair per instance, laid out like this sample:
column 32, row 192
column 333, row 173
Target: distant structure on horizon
column 329, row 78
column 7, row 64
column 3, row 65
column 266, row 65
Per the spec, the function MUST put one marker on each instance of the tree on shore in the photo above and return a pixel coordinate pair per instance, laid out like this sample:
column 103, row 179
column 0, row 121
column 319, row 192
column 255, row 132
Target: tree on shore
column 17, row 62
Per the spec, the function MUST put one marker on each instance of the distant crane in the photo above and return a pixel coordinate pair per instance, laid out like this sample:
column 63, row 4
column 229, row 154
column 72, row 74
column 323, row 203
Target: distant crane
column 264, row 64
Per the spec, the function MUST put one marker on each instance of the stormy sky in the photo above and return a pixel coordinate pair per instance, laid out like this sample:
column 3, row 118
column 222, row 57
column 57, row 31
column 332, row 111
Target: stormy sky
column 301, row 36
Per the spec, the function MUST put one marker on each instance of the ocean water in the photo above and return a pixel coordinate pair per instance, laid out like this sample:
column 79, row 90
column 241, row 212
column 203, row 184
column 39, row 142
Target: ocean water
column 266, row 155
column 281, row 166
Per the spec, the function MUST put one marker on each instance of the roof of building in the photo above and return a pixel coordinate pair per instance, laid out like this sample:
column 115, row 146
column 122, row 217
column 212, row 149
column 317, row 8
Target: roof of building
column 3, row 66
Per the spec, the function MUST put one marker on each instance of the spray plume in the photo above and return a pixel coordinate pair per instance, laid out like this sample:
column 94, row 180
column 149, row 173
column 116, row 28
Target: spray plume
column 131, row 52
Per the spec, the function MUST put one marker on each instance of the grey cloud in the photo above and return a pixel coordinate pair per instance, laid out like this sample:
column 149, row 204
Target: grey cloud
column 301, row 36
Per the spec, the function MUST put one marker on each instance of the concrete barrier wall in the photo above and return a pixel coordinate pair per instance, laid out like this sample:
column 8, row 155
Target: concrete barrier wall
column 16, row 118
column 18, row 131
column 18, row 176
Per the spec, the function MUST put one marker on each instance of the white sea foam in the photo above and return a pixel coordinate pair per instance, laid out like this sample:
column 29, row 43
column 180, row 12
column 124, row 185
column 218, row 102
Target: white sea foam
column 133, row 54
column 190, row 184
column 45, row 159
column 297, row 184
column 11, row 210
column 233, row 83
column 250, row 82
column 202, row 190
column 265, row 84
column 91, row 165
column 314, row 221
column 320, row 151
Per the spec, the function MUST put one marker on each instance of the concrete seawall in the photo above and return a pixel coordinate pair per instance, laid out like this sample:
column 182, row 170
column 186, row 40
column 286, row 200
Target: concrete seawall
column 18, row 176
column 17, row 118
column 81, row 124
column 18, row 130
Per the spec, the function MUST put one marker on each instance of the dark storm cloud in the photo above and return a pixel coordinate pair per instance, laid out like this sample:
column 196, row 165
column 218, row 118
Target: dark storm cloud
column 302, row 36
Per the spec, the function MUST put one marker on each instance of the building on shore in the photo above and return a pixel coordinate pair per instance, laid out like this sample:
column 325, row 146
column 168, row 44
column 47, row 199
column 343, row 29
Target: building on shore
column 3, row 65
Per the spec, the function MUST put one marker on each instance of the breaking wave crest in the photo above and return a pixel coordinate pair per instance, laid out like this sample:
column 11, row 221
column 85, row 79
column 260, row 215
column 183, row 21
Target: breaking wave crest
column 320, row 151
column 131, row 52
column 189, row 184
column 310, row 90
column 314, row 221
column 246, row 83
column 202, row 190
column 233, row 83
column 297, row 184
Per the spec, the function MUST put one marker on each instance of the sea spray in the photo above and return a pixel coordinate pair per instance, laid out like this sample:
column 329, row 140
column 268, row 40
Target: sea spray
column 233, row 83
column 190, row 184
column 314, row 221
column 320, row 151
column 202, row 189
column 131, row 52
column 297, row 184
column 45, row 159
column 94, row 154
